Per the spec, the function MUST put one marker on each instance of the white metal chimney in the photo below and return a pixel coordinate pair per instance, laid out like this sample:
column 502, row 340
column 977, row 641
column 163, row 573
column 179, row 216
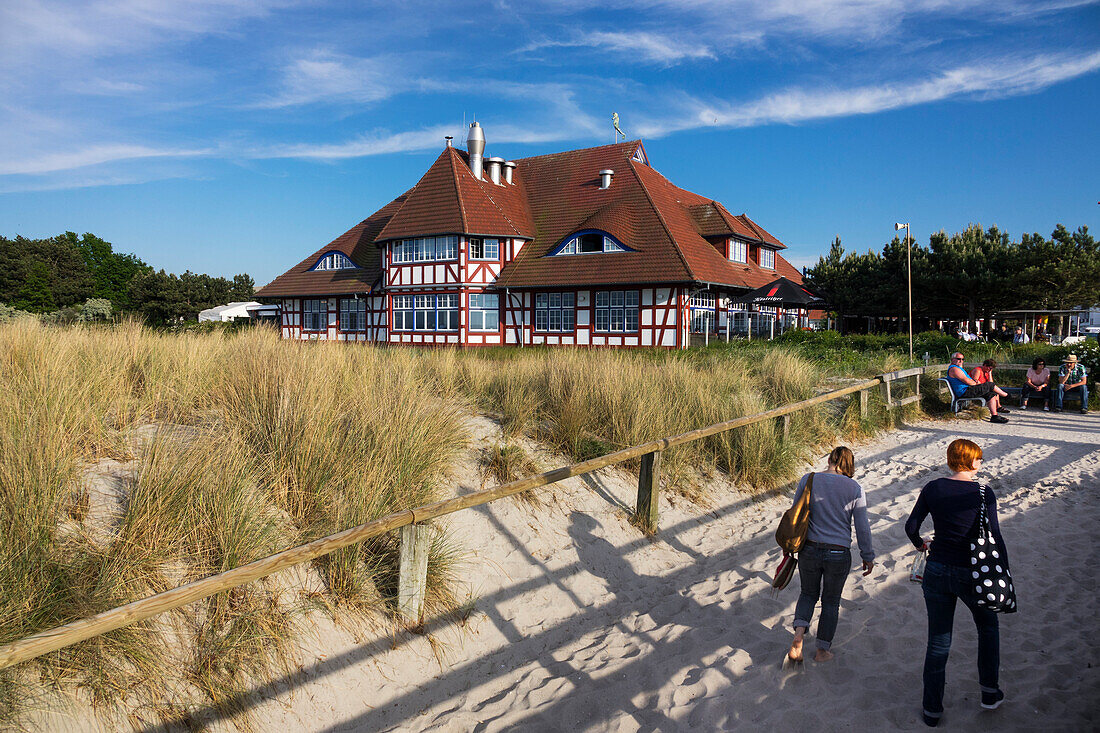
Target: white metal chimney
column 605, row 178
column 475, row 146
column 509, row 166
column 494, row 164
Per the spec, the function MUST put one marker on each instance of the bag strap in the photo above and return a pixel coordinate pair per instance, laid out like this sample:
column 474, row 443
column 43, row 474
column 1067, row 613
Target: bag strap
column 809, row 484
column 983, row 521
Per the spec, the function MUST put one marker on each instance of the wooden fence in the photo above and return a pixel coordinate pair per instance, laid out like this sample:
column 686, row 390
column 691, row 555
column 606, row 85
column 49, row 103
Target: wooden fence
column 414, row 537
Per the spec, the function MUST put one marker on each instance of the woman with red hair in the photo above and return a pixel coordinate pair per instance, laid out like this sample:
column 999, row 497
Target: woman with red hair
column 955, row 503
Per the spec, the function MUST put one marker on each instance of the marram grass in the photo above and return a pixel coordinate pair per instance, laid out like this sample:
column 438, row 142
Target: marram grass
column 239, row 445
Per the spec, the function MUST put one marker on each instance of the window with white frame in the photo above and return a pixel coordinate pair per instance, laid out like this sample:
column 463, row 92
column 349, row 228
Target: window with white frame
column 739, row 250
column 314, row 315
column 484, row 312
column 446, row 312
column 484, row 248
column 586, row 243
column 616, row 311
column 425, row 312
column 767, row 258
column 425, row 249
column 702, row 312
column 403, row 309
column 353, row 314
column 555, row 311
column 334, row 261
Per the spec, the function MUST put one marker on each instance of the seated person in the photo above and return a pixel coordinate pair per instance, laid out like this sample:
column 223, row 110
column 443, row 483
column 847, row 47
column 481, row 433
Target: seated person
column 1071, row 379
column 984, row 373
column 1037, row 384
column 1021, row 336
column 963, row 386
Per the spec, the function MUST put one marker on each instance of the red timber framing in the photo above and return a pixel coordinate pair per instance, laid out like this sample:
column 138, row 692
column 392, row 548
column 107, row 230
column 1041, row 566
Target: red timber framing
column 294, row 319
column 427, row 274
column 462, row 276
column 660, row 313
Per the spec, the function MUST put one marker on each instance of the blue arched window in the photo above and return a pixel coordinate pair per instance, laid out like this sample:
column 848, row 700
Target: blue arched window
column 334, row 261
column 589, row 241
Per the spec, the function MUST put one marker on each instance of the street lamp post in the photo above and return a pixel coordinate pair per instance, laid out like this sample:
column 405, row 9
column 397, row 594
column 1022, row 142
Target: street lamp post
column 909, row 279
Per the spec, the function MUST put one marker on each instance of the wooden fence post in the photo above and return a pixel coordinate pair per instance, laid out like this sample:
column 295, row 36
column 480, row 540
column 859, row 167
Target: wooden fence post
column 785, row 426
column 864, row 404
column 916, row 384
column 412, row 581
column 645, row 515
column 886, row 392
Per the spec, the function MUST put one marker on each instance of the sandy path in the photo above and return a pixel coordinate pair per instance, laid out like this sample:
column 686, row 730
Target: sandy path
column 582, row 624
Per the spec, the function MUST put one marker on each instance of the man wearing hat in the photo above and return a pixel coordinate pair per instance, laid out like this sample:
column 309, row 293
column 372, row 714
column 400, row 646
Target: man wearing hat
column 1071, row 376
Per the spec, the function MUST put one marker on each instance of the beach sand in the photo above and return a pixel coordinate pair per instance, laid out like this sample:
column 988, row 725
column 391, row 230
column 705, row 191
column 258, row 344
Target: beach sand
column 582, row 623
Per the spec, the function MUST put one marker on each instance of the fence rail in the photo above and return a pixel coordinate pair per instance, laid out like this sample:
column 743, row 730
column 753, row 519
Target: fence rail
column 413, row 552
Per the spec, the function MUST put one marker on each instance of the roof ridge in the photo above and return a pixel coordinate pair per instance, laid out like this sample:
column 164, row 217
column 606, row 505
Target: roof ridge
column 458, row 190
column 752, row 225
column 661, row 218
column 725, row 214
column 622, row 144
column 503, row 213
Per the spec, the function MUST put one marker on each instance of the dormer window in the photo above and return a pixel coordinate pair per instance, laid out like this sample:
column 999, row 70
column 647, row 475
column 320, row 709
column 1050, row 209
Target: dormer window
column 334, row 261
column 590, row 242
column 767, row 258
column 739, row 250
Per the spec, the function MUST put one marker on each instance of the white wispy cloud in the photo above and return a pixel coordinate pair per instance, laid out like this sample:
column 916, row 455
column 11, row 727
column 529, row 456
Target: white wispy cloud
column 719, row 21
column 12, row 164
column 324, row 76
column 638, row 45
column 553, row 113
column 995, row 78
column 91, row 28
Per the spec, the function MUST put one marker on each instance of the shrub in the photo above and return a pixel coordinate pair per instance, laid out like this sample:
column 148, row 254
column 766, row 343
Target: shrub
column 95, row 309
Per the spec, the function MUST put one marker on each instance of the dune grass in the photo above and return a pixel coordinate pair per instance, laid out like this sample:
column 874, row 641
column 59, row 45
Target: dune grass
column 588, row 403
column 240, row 444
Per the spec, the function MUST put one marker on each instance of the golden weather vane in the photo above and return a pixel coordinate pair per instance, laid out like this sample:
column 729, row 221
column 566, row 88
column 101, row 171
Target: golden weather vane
column 615, row 122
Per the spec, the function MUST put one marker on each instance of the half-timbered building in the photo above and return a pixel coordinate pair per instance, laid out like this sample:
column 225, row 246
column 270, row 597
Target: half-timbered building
column 589, row 247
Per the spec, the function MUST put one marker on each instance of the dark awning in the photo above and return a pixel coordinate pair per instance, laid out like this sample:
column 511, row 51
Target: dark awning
column 782, row 293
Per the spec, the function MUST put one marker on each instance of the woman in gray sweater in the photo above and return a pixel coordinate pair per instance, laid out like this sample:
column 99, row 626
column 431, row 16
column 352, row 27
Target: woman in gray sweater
column 836, row 500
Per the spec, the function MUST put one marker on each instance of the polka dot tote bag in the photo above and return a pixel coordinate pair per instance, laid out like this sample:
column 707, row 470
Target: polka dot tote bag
column 988, row 570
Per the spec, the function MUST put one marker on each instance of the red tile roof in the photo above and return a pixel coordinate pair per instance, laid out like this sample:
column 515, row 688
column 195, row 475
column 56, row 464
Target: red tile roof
column 449, row 200
column 667, row 225
column 552, row 197
column 358, row 243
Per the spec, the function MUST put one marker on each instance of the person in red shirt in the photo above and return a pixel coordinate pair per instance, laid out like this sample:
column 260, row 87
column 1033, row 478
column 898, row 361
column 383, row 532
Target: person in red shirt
column 984, row 373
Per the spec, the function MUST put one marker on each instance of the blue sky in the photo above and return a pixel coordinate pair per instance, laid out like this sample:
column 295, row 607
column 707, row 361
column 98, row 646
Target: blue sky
column 230, row 136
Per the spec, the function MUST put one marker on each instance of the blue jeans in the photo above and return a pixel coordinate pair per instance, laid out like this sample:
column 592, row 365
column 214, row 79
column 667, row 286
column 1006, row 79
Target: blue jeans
column 822, row 572
column 1082, row 390
column 943, row 584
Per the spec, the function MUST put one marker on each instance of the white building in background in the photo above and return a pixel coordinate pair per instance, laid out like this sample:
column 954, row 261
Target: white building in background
column 228, row 312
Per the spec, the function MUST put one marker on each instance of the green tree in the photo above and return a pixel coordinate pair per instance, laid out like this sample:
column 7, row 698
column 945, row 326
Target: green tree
column 111, row 271
column 1060, row 273
column 155, row 296
column 969, row 272
column 851, row 283
column 42, row 274
column 243, row 288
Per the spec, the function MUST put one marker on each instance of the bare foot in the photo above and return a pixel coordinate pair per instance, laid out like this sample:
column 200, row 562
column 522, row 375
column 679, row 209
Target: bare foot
column 823, row 655
column 795, row 654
